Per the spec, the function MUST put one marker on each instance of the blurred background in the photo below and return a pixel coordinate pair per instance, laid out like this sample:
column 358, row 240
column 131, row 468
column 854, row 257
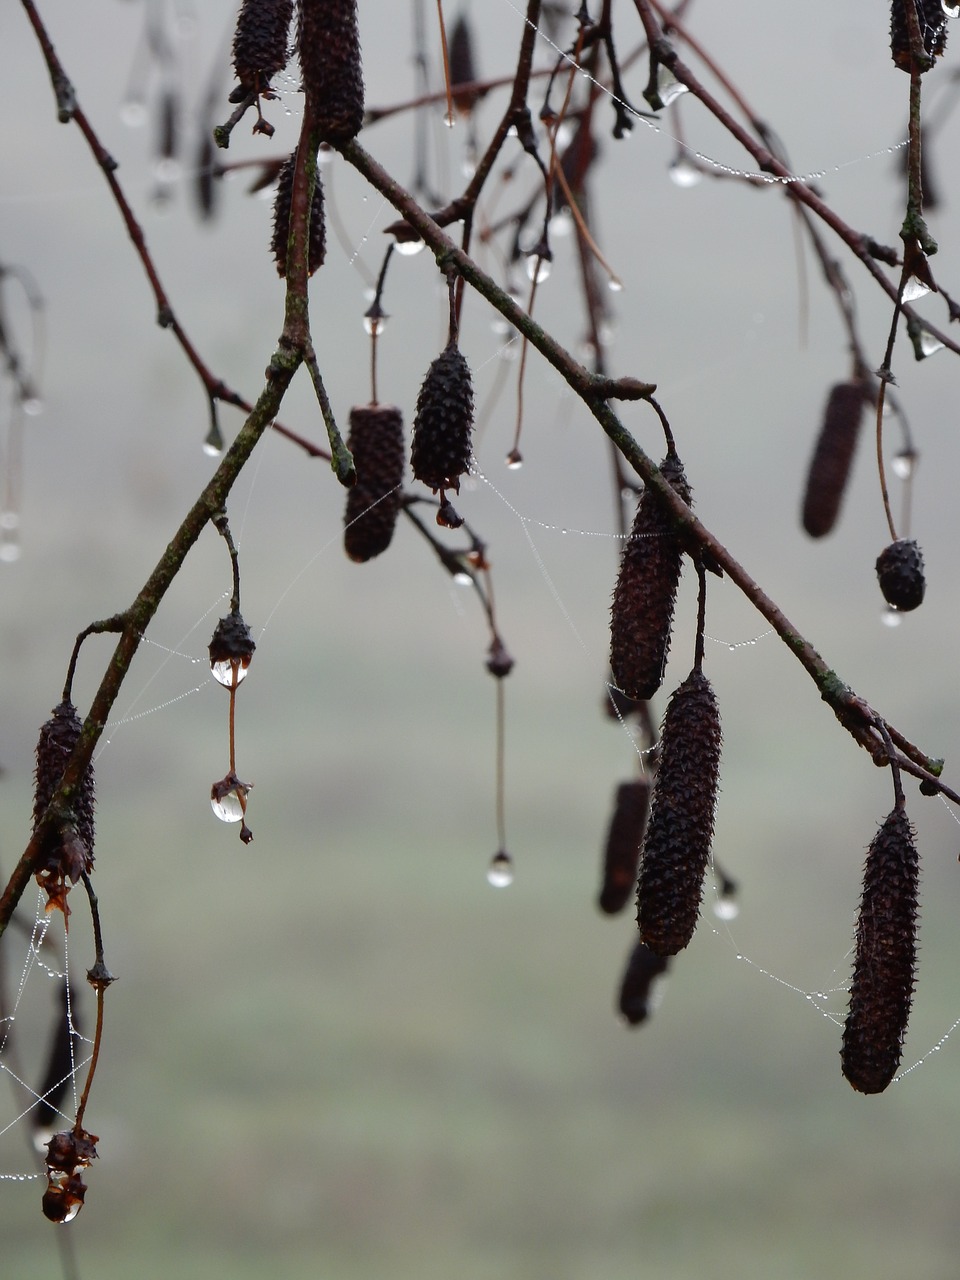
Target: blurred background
column 338, row 1051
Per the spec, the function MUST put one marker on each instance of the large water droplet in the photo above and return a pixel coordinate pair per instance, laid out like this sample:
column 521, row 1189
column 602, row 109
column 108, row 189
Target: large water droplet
column 32, row 406
column 538, row 269
column 950, row 10
column 891, row 617
column 514, row 460
column 669, row 87
column 929, row 345
column 500, row 871
column 375, row 325
column 230, row 671
column 615, row 284
column 561, row 224
column 684, row 173
column 228, row 808
column 133, row 112
column 463, row 579
column 914, row 289
column 167, row 170
column 409, row 248
column 726, row 909
column 903, row 463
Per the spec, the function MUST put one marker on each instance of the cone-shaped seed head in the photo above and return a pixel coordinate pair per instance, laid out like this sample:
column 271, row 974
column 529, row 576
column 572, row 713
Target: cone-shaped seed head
column 442, row 428
column 643, row 600
column 622, row 852
column 832, row 458
column 58, row 737
column 328, row 41
column 260, row 42
column 886, row 956
column 375, row 439
column 933, row 30
column 900, row 574
column 281, row 221
column 643, row 967
column 676, row 845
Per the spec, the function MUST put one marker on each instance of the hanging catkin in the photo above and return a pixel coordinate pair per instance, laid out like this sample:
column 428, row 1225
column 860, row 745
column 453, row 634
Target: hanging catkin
column 260, row 44
column 676, row 845
column 643, row 600
column 933, row 31
column 376, row 441
column 621, row 855
column 442, row 427
column 884, row 967
column 636, row 988
column 900, row 574
column 832, row 458
column 328, row 42
column 61, row 859
column 281, row 221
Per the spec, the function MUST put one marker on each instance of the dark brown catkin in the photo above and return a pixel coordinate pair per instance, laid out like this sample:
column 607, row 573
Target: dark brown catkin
column 676, row 845
column 900, row 575
column 260, row 43
column 442, row 427
column 462, row 67
column 328, row 42
column 641, row 617
column 281, row 221
column 375, row 439
column 58, row 859
column 885, row 960
column 643, row 968
column 933, row 31
column 832, row 458
column 621, row 855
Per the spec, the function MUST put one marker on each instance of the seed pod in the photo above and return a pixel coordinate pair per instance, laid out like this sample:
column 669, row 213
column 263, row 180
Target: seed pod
column 231, row 649
column 643, row 968
column 440, row 452
column 832, row 458
column 375, row 439
column 676, row 845
column 622, row 852
column 644, row 597
column 281, row 221
column 328, row 41
column 900, row 574
column 60, row 859
column 260, row 44
column 933, row 31
column 884, row 967
column 462, row 68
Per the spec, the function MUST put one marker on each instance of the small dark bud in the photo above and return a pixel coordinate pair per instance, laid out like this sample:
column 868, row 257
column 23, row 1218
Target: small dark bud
column 231, row 642
column 499, row 661
column 643, row 968
column 448, row 517
column 900, row 574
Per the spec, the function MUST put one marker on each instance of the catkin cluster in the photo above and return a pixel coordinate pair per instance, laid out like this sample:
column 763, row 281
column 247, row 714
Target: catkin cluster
column 676, row 844
column 884, row 968
column 328, row 42
column 641, row 617
column 260, row 44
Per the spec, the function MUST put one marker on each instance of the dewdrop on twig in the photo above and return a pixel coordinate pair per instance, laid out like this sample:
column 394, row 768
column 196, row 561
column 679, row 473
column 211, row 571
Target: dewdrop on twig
column 500, row 870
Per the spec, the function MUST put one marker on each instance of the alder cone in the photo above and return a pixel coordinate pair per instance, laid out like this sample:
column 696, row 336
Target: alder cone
column 328, row 42
column 643, row 967
column 282, row 203
column 260, row 43
column 55, row 860
column 676, row 845
column 375, row 439
column 933, row 30
column 621, row 856
column 832, row 458
column 442, row 427
column 884, row 969
column 900, row 574
column 643, row 600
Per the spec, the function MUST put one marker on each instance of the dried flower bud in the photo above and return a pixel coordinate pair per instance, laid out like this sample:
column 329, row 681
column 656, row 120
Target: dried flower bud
column 933, row 31
column 646, row 591
column 231, row 649
column 281, row 221
column 328, row 41
column 64, row 853
column 68, row 1154
column 832, row 458
column 260, row 44
column 881, row 991
column 622, row 851
column 676, row 845
column 440, row 452
column 900, row 574
column 375, row 439
column 643, row 968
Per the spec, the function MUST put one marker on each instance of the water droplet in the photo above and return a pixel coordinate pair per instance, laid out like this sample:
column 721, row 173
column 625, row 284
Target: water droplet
column 929, row 345
column 167, row 170
column 375, row 325
column 463, row 579
column 499, row 325
column 950, row 10
column 227, row 809
column 669, row 87
column 914, row 289
column 9, row 520
column 726, row 909
column 449, row 119
column 409, row 248
column 684, row 173
column 732, row 648
column 32, row 406
column 890, row 617
column 133, row 112
column 538, row 269
column 615, row 284
column 9, row 551
column 500, row 871
column 564, row 135
column 561, row 224
column 325, row 154
column 230, row 671
column 903, row 464
column 514, row 460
